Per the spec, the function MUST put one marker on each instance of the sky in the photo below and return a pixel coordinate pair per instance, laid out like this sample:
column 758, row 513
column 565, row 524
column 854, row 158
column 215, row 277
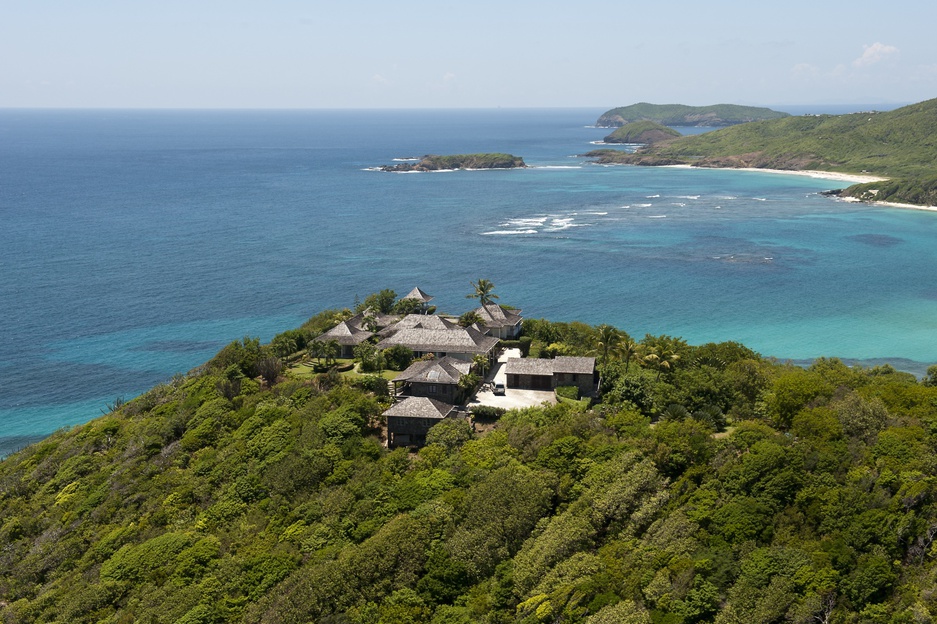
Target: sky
column 465, row 54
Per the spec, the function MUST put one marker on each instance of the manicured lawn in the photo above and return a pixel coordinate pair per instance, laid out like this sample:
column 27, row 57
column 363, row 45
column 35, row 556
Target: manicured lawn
column 386, row 374
column 305, row 369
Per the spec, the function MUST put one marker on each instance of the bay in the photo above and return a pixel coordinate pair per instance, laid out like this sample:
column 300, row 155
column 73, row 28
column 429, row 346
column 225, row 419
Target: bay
column 135, row 244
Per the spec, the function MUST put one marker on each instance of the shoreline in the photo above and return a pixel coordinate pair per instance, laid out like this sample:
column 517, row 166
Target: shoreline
column 853, row 178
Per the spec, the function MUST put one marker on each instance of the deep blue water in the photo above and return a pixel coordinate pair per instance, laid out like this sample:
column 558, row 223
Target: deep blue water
column 136, row 243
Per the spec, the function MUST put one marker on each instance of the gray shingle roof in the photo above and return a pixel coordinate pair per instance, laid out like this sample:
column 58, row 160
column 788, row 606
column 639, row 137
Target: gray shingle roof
column 412, row 321
column 494, row 315
column 575, row 365
column 454, row 340
column 418, row 294
column 419, row 407
column 381, row 320
column 345, row 334
column 446, row 370
column 543, row 366
column 529, row 366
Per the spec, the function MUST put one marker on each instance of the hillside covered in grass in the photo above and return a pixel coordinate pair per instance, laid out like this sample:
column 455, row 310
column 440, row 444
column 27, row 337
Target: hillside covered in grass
column 683, row 115
column 899, row 144
column 707, row 484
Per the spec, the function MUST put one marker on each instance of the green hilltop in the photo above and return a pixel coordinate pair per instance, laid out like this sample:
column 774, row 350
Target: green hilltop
column 641, row 132
column 683, row 115
column 899, row 144
column 705, row 484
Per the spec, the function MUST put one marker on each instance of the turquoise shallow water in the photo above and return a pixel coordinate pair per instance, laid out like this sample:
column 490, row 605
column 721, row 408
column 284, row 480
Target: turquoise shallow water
column 135, row 244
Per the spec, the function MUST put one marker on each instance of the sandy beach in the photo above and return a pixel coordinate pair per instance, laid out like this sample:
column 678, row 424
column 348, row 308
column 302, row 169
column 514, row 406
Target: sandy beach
column 852, row 178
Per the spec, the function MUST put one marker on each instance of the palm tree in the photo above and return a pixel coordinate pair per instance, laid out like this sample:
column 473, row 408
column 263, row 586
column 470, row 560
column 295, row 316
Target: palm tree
column 628, row 349
column 481, row 364
column 661, row 360
column 316, row 349
column 331, row 350
column 607, row 341
column 483, row 292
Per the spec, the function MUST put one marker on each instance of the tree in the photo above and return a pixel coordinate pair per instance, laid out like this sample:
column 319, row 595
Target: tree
column 284, row 345
column 483, row 292
column 398, row 357
column 370, row 358
column 331, row 350
column 931, row 378
column 269, row 368
column 628, row 349
column 661, row 360
column 408, row 306
column 481, row 363
column 607, row 341
column 316, row 349
column 379, row 302
column 470, row 318
column 450, row 433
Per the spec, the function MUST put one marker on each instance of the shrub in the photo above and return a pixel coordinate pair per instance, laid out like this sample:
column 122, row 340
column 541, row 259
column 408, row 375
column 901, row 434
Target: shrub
column 398, row 357
column 568, row 392
column 372, row 383
column 487, row 412
column 525, row 345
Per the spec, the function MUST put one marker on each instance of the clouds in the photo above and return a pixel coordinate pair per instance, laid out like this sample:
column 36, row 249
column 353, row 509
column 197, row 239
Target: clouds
column 875, row 53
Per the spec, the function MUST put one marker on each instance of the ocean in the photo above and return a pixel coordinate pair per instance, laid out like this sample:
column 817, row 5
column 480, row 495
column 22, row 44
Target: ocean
column 135, row 244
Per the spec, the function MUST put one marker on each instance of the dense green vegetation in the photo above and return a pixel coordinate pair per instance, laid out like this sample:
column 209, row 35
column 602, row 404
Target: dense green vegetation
column 708, row 484
column 683, row 115
column 641, row 132
column 460, row 161
column 899, row 144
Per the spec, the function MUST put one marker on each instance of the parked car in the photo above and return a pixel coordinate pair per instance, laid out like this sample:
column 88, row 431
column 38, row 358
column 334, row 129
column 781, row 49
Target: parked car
column 498, row 389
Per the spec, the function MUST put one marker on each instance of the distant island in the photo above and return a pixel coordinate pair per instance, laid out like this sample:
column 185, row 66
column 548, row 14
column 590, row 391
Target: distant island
column 682, row 115
column 433, row 162
column 899, row 145
column 645, row 132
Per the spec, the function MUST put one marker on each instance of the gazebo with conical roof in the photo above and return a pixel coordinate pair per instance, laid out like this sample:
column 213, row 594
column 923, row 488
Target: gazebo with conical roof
column 418, row 295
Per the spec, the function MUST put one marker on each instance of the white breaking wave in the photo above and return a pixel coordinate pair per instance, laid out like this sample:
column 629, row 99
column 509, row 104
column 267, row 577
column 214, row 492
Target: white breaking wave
column 525, row 223
column 508, row 232
column 406, row 159
column 688, row 196
column 682, row 205
column 657, row 216
column 653, row 196
column 760, row 198
column 643, row 205
column 557, row 167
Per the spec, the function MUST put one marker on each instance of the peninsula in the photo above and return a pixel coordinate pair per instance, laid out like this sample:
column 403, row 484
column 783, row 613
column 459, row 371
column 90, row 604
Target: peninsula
column 657, row 481
column 899, row 145
column 683, row 115
column 433, row 162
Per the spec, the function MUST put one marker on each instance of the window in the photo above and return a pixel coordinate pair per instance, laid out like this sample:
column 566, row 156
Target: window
column 431, row 390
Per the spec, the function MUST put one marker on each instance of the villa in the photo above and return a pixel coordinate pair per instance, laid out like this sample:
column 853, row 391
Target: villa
column 500, row 322
column 436, row 379
column 409, row 420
